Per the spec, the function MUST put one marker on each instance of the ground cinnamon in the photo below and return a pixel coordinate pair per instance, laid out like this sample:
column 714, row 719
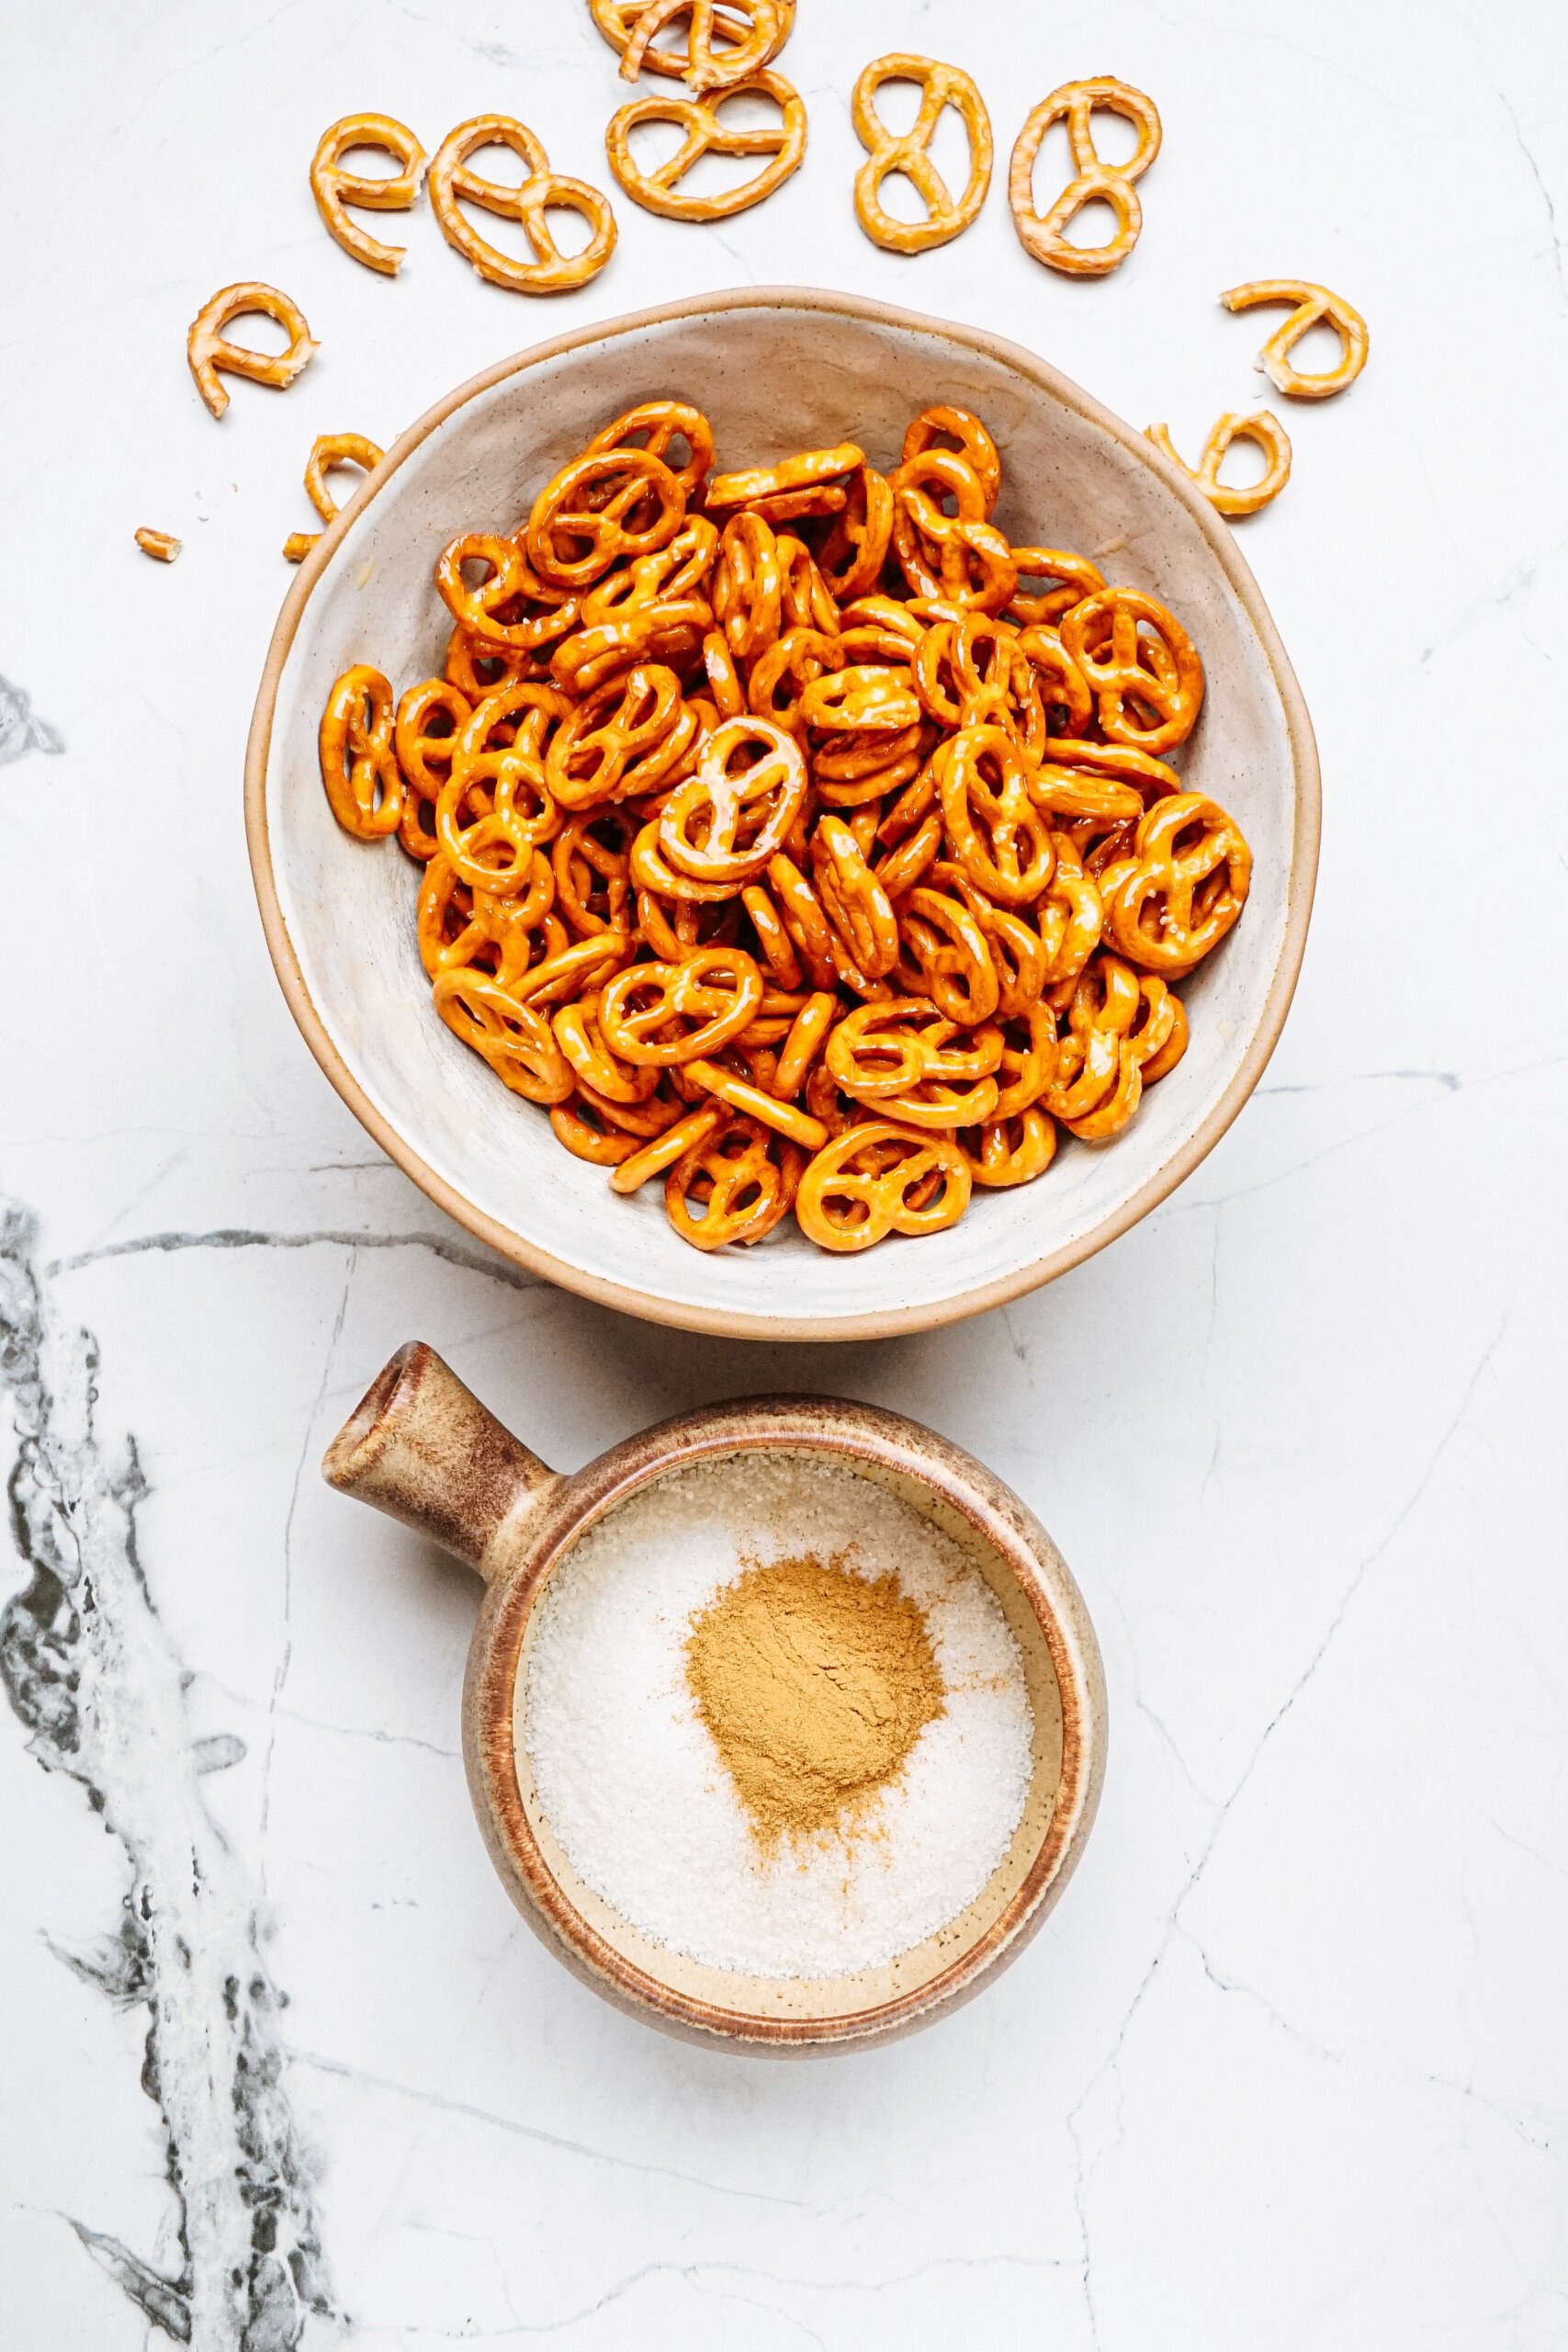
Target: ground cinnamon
column 815, row 1684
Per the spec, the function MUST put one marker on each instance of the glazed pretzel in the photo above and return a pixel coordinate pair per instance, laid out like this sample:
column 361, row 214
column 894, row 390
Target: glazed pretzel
column 809, row 470
column 550, row 271
column 1159, row 674
column 728, row 821
column 333, row 187
column 742, row 1178
column 752, row 32
column 1042, row 234
column 208, row 350
column 663, row 422
column 876, row 1178
column 1188, row 880
column 609, row 505
column 329, row 449
column 1314, row 306
column 516, row 1041
column 478, row 606
column 704, row 134
column 908, row 153
column 359, row 765
column 998, row 836
column 944, row 426
column 640, row 1011
column 1262, row 429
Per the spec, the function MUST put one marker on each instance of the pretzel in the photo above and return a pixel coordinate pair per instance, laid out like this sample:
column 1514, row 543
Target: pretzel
column 1159, row 674
column 1263, row 429
column 718, row 988
column 874, row 1180
column 1192, row 870
column 162, row 546
column 705, row 135
column 664, row 423
column 724, row 866
column 208, row 350
column 753, row 32
column 943, row 424
column 908, row 153
column 327, row 450
column 550, row 271
column 1314, row 305
column 1042, row 234
column 999, row 835
column 333, row 187
column 611, row 505
column 359, row 766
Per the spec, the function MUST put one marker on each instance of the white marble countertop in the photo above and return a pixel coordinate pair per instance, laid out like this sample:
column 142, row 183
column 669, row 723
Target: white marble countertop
column 1286, row 2068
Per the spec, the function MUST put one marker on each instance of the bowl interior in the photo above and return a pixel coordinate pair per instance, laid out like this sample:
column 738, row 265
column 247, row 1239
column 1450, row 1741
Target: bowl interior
column 804, row 1999
column 774, row 375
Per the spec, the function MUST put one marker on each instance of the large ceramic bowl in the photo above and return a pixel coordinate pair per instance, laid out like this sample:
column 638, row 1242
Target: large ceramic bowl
column 775, row 370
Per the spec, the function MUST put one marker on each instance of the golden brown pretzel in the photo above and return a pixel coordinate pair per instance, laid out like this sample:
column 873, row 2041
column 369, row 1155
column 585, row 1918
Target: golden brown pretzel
column 908, row 153
column 329, row 449
column 208, row 349
column 333, row 187
column 749, row 32
column 1227, row 498
column 875, row 1178
column 658, row 190
column 1313, row 305
column 1042, row 234
column 550, row 271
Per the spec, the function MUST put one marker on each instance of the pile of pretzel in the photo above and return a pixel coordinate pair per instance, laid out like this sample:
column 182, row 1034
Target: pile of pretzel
column 789, row 834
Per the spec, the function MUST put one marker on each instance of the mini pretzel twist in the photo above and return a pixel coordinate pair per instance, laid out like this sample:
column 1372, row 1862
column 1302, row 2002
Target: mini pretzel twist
column 1264, row 430
column 908, row 153
column 749, row 33
column 1189, row 875
column 697, row 119
column 1130, row 672
column 208, row 350
column 550, row 271
column 359, row 765
column 876, row 1179
column 1042, row 234
column 329, row 449
column 1312, row 306
column 333, row 187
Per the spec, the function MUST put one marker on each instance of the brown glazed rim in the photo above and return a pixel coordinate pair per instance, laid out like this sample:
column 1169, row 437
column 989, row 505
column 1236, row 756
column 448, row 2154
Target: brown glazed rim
column 885, row 1322
column 861, row 1432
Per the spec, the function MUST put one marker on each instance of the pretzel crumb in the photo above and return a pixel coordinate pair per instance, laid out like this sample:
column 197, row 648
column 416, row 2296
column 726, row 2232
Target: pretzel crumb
column 362, row 577
column 1113, row 547
column 162, row 546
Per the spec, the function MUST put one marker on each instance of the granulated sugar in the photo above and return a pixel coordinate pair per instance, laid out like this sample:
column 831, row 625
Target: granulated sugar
column 634, row 1786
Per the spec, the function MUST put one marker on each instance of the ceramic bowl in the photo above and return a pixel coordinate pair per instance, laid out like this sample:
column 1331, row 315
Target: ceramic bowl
column 423, row 1448
column 775, row 370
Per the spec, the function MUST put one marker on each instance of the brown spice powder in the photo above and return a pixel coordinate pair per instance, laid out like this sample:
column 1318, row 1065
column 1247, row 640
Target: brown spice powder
column 815, row 1684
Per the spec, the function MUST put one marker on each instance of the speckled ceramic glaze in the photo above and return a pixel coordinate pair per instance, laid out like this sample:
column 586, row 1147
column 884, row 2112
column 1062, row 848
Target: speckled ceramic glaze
column 421, row 1447
column 775, row 371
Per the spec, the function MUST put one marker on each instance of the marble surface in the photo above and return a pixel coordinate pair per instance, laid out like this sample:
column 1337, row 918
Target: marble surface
column 1286, row 2068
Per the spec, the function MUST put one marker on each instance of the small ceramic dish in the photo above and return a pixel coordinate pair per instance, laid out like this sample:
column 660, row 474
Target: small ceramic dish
column 775, row 371
column 421, row 1447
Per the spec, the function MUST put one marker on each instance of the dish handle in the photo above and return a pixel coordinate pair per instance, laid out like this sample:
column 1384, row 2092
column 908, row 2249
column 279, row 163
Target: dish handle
column 421, row 1447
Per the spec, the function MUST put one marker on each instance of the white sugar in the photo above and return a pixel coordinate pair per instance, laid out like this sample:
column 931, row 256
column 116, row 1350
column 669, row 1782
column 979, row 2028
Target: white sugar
column 633, row 1785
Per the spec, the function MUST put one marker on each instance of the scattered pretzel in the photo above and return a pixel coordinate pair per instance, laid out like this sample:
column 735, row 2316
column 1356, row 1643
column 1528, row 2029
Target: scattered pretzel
column 329, row 449
column 333, row 187
column 1312, row 306
column 752, row 34
column 658, row 190
column 1044, row 233
column 800, row 900
column 162, row 546
column 208, row 350
column 1264, row 430
column 908, row 153
column 550, row 271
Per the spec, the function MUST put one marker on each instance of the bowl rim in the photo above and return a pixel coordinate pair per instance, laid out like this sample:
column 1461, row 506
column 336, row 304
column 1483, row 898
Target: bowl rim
column 844, row 1429
column 735, row 1322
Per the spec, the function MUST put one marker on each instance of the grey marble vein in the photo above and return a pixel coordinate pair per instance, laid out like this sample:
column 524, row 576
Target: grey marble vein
column 89, row 1669
column 20, row 733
